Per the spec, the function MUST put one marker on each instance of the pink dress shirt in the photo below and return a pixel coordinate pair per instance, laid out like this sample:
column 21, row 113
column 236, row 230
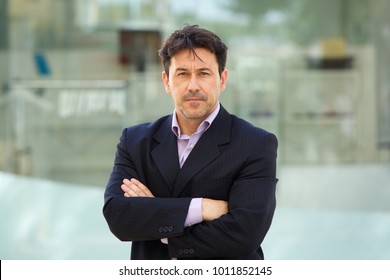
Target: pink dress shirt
column 185, row 144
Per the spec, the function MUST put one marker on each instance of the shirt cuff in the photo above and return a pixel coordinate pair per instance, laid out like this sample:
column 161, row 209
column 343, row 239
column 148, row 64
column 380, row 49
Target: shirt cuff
column 194, row 215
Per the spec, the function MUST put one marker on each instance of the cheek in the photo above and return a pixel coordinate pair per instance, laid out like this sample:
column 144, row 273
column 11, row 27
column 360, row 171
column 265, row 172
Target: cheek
column 175, row 96
column 179, row 87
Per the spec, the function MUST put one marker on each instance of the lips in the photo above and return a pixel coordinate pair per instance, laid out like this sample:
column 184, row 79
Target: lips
column 194, row 97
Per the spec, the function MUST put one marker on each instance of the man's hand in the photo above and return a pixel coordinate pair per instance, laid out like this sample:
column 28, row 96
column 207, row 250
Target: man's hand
column 134, row 188
column 213, row 209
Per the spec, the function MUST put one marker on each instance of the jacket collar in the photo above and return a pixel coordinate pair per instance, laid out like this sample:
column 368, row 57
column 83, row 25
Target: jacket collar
column 205, row 151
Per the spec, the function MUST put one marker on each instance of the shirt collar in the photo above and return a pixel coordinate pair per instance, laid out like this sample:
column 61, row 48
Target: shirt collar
column 201, row 128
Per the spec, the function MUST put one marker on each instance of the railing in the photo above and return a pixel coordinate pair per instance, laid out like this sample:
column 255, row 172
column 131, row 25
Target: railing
column 64, row 125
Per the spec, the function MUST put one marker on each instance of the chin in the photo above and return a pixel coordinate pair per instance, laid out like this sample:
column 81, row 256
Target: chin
column 197, row 115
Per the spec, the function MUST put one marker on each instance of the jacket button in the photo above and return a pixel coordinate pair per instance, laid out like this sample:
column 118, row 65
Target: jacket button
column 191, row 251
column 180, row 251
column 170, row 228
column 161, row 230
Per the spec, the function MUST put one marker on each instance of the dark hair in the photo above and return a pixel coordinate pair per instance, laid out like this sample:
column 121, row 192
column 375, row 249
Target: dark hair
column 191, row 37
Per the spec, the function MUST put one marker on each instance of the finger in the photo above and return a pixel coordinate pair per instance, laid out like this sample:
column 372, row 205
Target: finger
column 126, row 182
column 134, row 187
column 127, row 191
column 124, row 188
column 132, row 190
column 145, row 190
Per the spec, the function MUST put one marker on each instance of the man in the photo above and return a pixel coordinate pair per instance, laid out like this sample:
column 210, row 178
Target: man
column 200, row 183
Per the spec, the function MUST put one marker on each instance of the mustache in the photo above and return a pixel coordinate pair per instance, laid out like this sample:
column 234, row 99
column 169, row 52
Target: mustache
column 197, row 95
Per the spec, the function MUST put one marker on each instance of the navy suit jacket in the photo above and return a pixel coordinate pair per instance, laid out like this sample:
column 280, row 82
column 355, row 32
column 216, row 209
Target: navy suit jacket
column 232, row 161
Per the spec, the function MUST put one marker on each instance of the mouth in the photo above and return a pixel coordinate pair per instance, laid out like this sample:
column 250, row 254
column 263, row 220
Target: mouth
column 194, row 98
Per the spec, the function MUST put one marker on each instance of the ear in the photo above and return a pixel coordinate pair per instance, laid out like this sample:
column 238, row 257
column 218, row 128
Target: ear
column 165, row 79
column 224, row 78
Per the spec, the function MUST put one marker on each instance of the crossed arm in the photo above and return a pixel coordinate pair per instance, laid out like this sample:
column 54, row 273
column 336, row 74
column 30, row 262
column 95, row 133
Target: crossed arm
column 211, row 209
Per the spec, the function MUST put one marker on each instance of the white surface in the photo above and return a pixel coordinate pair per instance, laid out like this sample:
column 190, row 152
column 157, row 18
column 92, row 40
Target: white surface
column 324, row 212
column 42, row 219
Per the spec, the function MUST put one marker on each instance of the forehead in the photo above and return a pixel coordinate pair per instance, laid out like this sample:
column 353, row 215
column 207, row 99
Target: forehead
column 201, row 58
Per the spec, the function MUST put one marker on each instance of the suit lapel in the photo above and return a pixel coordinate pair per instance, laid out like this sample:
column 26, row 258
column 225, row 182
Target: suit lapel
column 165, row 154
column 205, row 151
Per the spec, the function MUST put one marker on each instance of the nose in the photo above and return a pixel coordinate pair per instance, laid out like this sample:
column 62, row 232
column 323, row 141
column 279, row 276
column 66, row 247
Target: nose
column 193, row 85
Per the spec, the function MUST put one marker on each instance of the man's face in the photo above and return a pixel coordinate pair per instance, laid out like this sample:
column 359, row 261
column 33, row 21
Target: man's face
column 194, row 83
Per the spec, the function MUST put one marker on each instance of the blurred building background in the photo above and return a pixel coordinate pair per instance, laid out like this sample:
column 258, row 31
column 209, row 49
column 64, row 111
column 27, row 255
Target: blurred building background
column 73, row 74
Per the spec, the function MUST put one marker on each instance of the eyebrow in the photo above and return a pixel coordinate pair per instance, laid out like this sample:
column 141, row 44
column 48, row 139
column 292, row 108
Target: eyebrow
column 187, row 69
column 181, row 69
column 204, row 69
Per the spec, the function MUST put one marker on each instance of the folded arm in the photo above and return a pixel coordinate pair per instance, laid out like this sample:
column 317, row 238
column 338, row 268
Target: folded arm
column 211, row 209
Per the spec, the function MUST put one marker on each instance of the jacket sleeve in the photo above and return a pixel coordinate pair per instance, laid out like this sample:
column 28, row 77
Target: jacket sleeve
column 251, row 207
column 139, row 218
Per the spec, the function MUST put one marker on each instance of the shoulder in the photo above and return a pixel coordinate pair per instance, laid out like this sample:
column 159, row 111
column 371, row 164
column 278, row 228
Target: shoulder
column 146, row 130
column 246, row 129
column 241, row 132
column 253, row 140
column 254, row 144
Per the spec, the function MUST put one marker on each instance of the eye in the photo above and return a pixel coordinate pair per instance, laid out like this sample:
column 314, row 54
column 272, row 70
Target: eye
column 204, row 73
column 182, row 74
